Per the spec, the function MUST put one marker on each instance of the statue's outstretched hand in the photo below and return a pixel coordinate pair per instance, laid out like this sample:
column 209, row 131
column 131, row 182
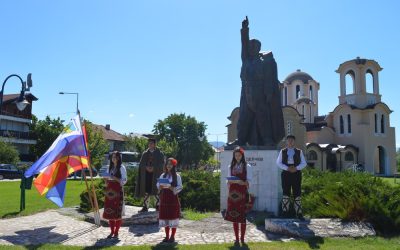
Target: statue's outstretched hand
column 245, row 23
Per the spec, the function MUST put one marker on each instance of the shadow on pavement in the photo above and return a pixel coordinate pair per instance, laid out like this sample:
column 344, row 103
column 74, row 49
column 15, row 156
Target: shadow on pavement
column 103, row 243
column 35, row 237
column 140, row 230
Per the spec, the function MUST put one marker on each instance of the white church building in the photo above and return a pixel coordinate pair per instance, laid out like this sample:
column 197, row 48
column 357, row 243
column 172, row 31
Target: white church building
column 357, row 131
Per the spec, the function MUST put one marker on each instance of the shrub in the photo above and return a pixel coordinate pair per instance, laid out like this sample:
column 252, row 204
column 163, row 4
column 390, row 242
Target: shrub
column 8, row 153
column 353, row 197
column 129, row 191
column 200, row 191
column 85, row 205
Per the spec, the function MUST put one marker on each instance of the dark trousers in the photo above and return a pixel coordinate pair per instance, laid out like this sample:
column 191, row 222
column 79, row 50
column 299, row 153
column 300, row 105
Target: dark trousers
column 149, row 182
column 291, row 182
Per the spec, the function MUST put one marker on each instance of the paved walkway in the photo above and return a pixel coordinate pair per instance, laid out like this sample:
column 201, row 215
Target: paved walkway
column 55, row 226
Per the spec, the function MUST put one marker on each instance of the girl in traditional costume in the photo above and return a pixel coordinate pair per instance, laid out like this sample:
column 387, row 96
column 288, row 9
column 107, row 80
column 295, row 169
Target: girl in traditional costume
column 238, row 195
column 169, row 184
column 114, row 195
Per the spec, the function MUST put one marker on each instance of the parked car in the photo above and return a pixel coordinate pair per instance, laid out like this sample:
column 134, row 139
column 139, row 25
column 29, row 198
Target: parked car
column 128, row 165
column 87, row 173
column 9, row 171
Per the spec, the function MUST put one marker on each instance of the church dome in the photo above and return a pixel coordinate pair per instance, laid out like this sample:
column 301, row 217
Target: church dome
column 298, row 75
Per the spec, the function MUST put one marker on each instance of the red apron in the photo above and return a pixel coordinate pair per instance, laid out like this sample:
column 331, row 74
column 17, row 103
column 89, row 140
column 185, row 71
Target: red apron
column 237, row 198
column 169, row 205
column 113, row 200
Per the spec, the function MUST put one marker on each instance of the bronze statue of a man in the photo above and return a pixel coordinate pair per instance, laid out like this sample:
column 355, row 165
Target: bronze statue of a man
column 260, row 116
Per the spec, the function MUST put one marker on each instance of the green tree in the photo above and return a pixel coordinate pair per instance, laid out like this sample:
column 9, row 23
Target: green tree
column 135, row 144
column 8, row 154
column 46, row 131
column 192, row 145
column 98, row 146
column 169, row 148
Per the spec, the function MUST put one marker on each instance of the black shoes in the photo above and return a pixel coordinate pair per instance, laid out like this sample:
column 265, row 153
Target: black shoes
column 170, row 240
column 110, row 236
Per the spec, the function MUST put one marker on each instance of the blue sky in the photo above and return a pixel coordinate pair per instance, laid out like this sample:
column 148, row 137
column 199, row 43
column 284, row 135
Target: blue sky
column 136, row 62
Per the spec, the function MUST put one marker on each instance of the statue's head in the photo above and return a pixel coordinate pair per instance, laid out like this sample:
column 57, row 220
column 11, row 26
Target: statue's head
column 254, row 47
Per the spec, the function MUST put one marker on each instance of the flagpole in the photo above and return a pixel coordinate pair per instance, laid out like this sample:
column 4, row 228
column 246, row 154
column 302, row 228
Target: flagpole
column 95, row 206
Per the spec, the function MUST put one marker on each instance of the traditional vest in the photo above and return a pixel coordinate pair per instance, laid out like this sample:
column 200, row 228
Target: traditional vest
column 242, row 175
column 296, row 156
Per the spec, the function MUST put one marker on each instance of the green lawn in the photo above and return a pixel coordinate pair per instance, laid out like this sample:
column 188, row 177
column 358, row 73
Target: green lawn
column 391, row 180
column 190, row 214
column 315, row 243
column 10, row 198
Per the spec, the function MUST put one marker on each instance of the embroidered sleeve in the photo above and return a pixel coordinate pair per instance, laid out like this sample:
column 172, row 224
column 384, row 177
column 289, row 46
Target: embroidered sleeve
column 249, row 176
column 179, row 186
column 279, row 162
column 124, row 177
column 303, row 162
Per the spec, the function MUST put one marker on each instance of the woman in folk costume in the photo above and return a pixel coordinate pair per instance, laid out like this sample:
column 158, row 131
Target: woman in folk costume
column 169, row 202
column 238, row 195
column 114, row 195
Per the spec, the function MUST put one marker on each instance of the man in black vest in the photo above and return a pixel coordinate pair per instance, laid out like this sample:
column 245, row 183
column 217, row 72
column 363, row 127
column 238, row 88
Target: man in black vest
column 291, row 161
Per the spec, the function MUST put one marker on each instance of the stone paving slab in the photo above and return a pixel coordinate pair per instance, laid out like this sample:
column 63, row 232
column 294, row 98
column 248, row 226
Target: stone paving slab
column 319, row 228
column 132, row 216
column 68, row 227
column 55, row 227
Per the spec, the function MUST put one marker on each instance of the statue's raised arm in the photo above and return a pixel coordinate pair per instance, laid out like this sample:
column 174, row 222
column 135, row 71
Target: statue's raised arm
column 245, row 38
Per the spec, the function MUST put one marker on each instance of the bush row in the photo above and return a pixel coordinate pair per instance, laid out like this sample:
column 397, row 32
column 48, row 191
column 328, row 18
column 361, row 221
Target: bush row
column 353, row 197
column 200, row 191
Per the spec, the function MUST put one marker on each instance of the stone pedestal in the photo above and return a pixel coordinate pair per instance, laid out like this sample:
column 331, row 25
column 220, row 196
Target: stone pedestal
column 266, row 181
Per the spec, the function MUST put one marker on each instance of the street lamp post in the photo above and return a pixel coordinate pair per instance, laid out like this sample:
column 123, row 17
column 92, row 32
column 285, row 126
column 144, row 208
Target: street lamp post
column 77, row 112
column 21, row 102
column 21, row 105
column 77, row 99
column 218, row 152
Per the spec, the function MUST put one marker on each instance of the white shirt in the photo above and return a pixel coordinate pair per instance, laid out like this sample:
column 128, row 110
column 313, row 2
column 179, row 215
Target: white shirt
column 124, row 177
column 249, row 175
column 178, row 187
column 291, row 151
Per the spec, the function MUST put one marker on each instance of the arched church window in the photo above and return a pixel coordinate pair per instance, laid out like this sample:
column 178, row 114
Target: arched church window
column 312, row 156
column 349, row 156
column 350, row 81
column 311, row 93
column 382, row 124
column 376, row 123
column 289, row 128
column 341, row 125
column 285, row 96
column 369, row 81
column 297, row 91
column 348, row 124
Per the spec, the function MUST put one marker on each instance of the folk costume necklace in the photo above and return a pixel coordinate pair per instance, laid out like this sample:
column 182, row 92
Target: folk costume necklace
column 113, row 171
column 238, row 168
